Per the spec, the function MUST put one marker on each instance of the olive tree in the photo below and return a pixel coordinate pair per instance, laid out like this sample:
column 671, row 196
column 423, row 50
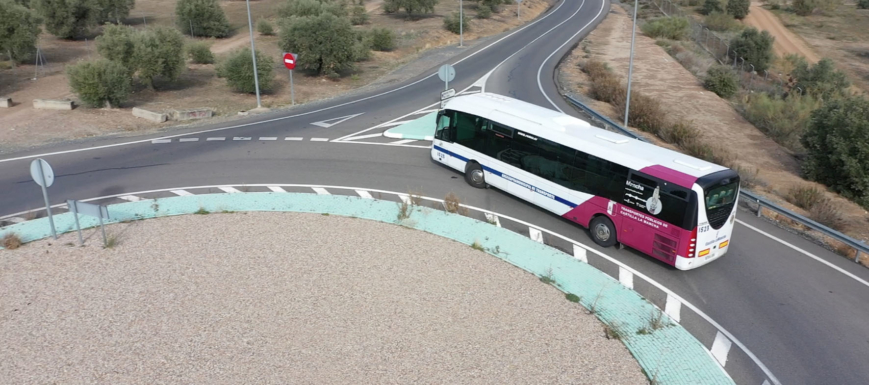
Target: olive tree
column 99, row 82
column 19, row 29
column 324, row 42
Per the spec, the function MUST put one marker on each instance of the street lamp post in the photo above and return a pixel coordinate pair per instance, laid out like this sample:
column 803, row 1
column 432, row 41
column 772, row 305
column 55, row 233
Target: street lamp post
column 631, row 65
column 461, row 24
column 253, row 57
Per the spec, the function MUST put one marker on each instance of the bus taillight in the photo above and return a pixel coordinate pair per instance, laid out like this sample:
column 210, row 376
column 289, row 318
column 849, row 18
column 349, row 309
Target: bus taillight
column 691, row 245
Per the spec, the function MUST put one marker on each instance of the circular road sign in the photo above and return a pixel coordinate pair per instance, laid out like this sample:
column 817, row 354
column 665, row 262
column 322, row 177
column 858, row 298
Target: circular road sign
column 290, row 60
column 42, row 166
column 447, row 73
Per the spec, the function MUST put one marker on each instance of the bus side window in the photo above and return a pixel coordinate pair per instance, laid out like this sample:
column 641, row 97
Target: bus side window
column 443, row 126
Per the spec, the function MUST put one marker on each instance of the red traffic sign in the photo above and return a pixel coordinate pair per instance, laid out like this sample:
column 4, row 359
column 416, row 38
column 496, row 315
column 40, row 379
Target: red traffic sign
column 290, row 60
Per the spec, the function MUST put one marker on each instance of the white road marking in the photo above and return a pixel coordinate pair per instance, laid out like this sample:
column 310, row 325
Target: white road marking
column 131, row 198
column 364, row 194
column 673, row 308
column 383, row 144
column 579, row 253
column 626, row 278
column 267, row 137
column 493, row 219
column 276, row 188
column 393, row 124
column 188, row 140
column 405, row 141
column 326, row 123
column 406, row 199
column 291, row 137
column 365, row 136
column 536, row 235
column 231, row 190
column 720, row 348
column 181, row 192
column 15, row 219
column 241, row 138
column 423, row 112
column 319, row 139
column 321, row 191
column 156, row 141
column 806, row 253
column 215, row 138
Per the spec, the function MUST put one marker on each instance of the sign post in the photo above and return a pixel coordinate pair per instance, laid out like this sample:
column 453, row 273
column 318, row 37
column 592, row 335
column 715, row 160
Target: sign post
column 447, row 73
column 101, row 212
column 290, row 63
column 519, row 9
column 43, row 175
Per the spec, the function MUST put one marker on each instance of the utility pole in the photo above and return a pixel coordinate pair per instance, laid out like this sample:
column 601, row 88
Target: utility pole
column 631, row 65
column 253, row 57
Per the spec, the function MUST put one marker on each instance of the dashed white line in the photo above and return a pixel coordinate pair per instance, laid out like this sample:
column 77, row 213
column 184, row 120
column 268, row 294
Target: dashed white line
column 579, row 253
column 188, row 140
column 215, row 138
column 626, row 278
column 296, row 138
column 536, row 235
column 365, row 136
column 241, row 138
column 493, row 219
column 405, row 141
column 720, row 348
column 321, row 191
column 277, row 189
column 268, row 138
column 231, row 190
column 180, row 192
column 131, row 198
column 364, row 194
column 156, row 141
column 673, row 308
column 319, row 139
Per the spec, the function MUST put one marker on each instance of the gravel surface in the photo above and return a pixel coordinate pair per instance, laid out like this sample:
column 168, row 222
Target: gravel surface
column 288, row 298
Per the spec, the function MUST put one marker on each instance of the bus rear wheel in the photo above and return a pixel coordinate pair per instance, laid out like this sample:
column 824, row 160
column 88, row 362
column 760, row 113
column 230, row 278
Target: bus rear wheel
column 603, row 232
column 474, row 175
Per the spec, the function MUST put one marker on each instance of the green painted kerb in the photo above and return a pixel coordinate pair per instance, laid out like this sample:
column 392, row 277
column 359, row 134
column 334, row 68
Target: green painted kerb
column 418, row 129
column 670, row 354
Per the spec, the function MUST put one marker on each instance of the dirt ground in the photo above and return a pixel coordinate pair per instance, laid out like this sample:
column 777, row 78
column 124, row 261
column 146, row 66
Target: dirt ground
column 658, row 75
column 22, row 126
column 786, row 42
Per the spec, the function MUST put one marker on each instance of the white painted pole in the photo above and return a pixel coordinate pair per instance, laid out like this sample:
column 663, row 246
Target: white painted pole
column 253, row 57
column 461, row 24
column 631, row 65
column 292, row 92
column 45, row 196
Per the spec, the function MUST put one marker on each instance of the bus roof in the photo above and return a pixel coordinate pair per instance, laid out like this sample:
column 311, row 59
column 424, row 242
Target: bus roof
column 578, row 134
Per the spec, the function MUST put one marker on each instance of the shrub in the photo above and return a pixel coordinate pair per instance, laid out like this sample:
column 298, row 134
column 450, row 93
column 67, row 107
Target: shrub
column 324, row 43
column 11, row 241
column 159, row 52
column 238, row 71
column 738, row 8
column 382, row 39
column 722, row 81
column 755, row 47
column 803, row 7
column 804, row 197
column 264, row 27
column 700, row 150
column 19, row 29
column 302, row 8
column 362, row 50
column 710, row 6
column 118, row 44
column 863, row 4
column 99, row 82
column 202, row 18
column 679, row 134
column 114, row 10
column 200, row 53
column 645, row 112
column 821, row 80
column 721, row 22
column 67, row 19
column 412, row 7
column 783, row 120
column 451, row 23
column 484, row 12
column 670, row 27
column 359, row 16
column 836, row 144
column 826, row 212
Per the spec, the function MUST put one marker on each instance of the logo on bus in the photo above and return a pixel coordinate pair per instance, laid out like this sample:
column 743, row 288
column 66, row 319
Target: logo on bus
column 653, row 204
column 635, row 185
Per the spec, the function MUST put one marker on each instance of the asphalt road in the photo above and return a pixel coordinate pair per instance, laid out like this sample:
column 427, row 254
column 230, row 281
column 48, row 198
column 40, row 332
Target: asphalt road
column 803, row 319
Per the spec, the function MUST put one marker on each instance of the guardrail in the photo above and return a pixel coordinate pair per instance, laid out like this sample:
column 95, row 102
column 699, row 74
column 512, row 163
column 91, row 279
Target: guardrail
column 858, row 246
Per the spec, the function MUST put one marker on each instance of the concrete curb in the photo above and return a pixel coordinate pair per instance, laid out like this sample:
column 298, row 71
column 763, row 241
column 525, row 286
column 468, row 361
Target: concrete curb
column 669, row 355
column 155, row 117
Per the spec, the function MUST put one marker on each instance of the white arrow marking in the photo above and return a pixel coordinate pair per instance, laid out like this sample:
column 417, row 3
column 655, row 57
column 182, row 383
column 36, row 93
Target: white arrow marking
column 331, row 122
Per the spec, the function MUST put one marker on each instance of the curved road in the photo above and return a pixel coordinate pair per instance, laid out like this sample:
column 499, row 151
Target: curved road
column 803, row 319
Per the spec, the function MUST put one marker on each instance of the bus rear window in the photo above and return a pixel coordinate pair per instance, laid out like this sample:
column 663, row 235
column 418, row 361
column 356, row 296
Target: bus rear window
column 721, row 196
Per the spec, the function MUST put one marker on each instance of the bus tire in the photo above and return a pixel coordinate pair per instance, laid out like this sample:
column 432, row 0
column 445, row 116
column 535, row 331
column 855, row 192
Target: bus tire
column 474, row 175
column 602, row 231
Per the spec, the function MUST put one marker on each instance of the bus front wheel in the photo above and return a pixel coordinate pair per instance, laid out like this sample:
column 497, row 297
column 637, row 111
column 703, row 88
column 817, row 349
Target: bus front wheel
column 474, row 175
column 603, row 232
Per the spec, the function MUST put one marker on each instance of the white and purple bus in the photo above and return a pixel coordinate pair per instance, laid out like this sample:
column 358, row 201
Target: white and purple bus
column 673, row 207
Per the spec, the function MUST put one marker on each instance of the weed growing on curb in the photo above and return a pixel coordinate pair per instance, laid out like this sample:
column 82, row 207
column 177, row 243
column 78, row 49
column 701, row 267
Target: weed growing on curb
column 453, row 205
column 112, row 241
column 155, row 206
column 11, row 241
column 572, row 297
column 613, row 331
column 325, row 214
column 547, row 280
column 593, row 308
column 477, row 246
column 404, row 210
column 202, row 211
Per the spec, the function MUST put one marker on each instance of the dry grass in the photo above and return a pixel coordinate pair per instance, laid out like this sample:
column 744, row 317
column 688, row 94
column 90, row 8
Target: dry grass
column 11, row 241
column 804, row 197
column 828, row 213
column 452, row 204
column 645, row 113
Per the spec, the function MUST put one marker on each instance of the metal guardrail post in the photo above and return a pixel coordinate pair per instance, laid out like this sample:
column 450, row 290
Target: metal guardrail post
column 759, row 209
